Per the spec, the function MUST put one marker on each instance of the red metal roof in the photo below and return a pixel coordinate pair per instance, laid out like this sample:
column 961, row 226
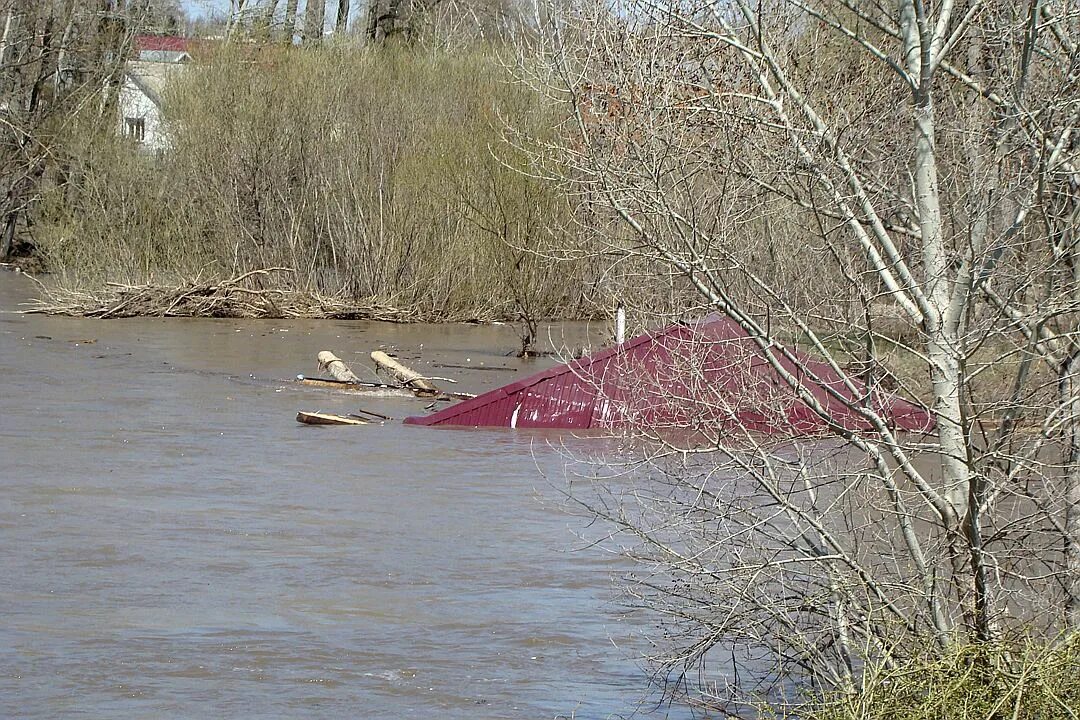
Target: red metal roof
column 687, row 375
column 161, row 42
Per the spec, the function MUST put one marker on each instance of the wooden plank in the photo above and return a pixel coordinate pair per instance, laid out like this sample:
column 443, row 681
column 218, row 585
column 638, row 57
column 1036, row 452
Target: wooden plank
column 317, row 418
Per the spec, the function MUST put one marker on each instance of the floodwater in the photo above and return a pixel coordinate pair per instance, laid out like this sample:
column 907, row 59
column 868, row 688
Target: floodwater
column 173, row 544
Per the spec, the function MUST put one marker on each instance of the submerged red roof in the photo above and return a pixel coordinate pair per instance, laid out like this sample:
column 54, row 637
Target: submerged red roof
column 684, row 376
column 161, row 42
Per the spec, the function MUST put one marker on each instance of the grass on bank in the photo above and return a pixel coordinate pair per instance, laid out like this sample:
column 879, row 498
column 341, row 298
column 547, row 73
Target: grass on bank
column 980, row 682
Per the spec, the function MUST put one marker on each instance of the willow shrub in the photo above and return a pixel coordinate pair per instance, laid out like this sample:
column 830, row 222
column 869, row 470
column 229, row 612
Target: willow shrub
column 992, row 682
column 373, row 174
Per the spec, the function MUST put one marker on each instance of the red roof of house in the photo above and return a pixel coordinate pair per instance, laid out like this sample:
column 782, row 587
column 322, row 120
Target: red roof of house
column 162, row 42
column 703, row 374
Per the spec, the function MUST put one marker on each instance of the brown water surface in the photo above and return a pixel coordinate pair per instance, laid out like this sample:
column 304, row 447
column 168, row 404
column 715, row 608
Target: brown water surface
column 173, row 544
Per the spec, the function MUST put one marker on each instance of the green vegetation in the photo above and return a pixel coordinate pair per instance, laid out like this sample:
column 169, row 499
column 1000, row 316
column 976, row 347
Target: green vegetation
column 985, row 682
column 376, row 176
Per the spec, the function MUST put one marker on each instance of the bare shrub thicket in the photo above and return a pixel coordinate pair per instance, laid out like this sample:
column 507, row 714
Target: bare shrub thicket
column 60, row 61
column 893, row 187
column 373, row 175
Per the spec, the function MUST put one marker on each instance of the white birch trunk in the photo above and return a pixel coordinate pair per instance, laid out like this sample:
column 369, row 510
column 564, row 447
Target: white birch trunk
column 314, row 18
column 1070, row 399
column 341, row 23
column 290, row 21
column 5, row 41
column 941, row 331
column 942, row 323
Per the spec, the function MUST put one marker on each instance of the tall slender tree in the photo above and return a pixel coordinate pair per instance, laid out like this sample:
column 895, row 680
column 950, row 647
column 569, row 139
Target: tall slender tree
column 342, row 20
column 314, row 19
column 54, row 54
column 288, row 32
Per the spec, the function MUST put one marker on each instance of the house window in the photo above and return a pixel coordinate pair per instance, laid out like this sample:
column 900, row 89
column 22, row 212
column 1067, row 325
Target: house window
column 135, row 128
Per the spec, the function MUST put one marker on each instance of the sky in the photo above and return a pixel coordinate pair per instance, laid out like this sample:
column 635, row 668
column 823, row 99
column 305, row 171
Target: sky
column 198, row 8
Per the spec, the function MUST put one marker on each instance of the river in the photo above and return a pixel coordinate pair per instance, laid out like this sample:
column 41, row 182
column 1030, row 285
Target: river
column 173, row 544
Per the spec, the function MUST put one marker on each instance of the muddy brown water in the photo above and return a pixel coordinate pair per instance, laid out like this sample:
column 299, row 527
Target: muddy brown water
column 174, row 544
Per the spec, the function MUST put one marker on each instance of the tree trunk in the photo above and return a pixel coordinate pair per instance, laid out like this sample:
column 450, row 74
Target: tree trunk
column 7, row 243
column 386, row 18
column 290, row 21
column 313, row 20
column 941, row 324
column 1069, row 387
column 1070, row 399
column 342, row 23
column 5, row 41
column 236, row 17
column 266, row 21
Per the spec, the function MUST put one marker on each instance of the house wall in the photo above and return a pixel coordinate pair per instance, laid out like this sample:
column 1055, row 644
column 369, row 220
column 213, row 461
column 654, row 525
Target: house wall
column 134, row 105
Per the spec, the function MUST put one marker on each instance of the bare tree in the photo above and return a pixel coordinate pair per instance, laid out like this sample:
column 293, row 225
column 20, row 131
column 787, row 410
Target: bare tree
column 54, row 57
column 386, row 18
column 265, row 20
column 289, row 25
column 237, row 11
column 453, row 20
column 341, row 23
column 314, row 19
column 896, row 189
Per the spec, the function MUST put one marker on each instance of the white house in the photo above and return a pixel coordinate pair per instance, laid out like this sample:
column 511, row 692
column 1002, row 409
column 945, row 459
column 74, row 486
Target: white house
column 159, row 61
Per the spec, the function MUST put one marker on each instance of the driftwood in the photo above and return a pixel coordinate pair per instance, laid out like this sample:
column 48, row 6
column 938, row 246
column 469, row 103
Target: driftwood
column 409, row 381
column 254, row 294
column 332, row 364
column 317, row 418
column 362, row 413
column 495, row 368
column 407, row 377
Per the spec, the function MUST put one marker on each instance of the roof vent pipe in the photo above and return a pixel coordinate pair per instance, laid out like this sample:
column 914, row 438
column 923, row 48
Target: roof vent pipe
column 620, row 324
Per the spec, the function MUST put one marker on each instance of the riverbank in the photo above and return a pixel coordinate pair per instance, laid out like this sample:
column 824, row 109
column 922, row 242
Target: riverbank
column 335, row 182
column 251, row 295
column 254, row 295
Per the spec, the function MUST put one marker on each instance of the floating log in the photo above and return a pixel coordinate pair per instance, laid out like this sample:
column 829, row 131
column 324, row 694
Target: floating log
column 407, row 377
column 352, row 387
column 332, row 364
column 317, row 418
